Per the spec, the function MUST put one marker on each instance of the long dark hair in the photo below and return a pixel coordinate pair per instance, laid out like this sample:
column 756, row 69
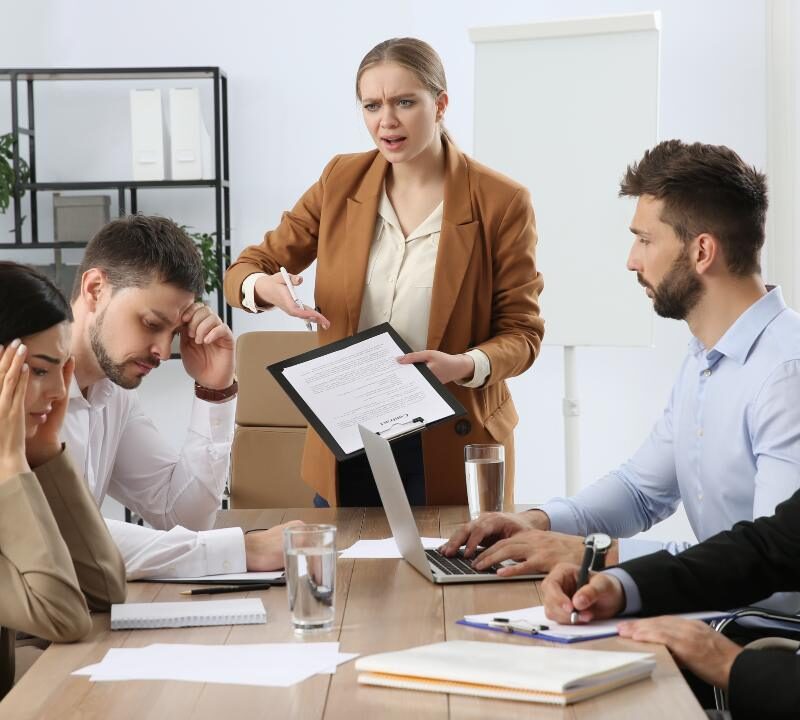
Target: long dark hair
column 29, row 302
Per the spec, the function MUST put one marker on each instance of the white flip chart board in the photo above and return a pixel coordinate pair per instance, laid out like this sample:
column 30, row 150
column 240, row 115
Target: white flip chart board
column 563, row 107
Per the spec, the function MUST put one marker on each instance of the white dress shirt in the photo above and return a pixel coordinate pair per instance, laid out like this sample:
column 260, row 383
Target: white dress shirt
column 122, row 454
column 399, row 282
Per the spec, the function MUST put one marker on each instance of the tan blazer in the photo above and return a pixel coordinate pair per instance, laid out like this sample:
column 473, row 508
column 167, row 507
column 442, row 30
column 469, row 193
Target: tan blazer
column 55, row 555
column 485, row 295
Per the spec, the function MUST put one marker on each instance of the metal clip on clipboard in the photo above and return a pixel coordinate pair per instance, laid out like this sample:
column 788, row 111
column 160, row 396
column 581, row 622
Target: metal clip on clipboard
column 401, row 429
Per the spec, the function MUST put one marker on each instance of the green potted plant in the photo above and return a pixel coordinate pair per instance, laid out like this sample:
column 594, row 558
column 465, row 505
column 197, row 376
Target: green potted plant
column 207, row 245
column 7, row 171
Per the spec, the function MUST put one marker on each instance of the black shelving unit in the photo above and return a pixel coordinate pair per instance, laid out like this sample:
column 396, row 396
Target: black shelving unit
column 220, row 184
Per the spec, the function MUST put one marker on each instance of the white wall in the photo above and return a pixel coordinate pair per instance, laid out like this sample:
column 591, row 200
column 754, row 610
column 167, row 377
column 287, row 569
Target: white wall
column 291, row 68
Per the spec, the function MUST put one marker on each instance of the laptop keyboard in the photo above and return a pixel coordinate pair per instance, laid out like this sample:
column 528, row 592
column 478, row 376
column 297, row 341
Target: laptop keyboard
column 456, row 565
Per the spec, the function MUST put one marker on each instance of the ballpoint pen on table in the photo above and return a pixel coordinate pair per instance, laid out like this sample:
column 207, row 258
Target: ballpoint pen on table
column 219, row 589
column 519, row 626
column 290, row 286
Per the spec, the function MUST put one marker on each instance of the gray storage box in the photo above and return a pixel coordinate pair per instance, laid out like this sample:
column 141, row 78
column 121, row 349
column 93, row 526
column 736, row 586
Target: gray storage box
column 62, row 275
column 76, row 218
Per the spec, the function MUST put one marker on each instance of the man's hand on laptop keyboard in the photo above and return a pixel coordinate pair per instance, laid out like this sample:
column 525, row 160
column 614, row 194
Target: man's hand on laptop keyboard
column 536, row 551
column 489, row 528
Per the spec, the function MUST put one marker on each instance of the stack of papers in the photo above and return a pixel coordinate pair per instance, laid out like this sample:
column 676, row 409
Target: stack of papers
column 385, row 549
column 505, row 671
column 265, row 665
column 532, row 621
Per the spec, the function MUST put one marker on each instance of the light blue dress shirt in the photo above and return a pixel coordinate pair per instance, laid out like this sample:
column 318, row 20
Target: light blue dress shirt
column 727, row 445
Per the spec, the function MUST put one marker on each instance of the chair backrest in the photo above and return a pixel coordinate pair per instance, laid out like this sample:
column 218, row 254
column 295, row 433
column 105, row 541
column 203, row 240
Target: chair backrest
column 270, row 430
column 262, row 402
column 772, row 629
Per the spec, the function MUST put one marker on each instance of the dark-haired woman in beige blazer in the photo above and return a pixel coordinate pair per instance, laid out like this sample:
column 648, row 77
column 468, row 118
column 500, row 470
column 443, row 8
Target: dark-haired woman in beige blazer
column 57, row 559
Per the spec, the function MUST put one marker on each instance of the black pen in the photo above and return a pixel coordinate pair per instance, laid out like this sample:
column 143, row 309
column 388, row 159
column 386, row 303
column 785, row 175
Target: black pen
column 596, row 546
column 218, row 589
column 520, row 626
column 583, row 576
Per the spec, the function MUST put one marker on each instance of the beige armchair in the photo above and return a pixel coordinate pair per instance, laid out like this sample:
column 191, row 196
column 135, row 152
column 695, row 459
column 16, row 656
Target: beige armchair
column 270, row 431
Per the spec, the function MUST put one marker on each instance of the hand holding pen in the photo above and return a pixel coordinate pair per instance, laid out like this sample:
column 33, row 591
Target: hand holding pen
column 278, row 290
column 583, row 578
column 595, row 546
column 290, row 287
column 602, row 597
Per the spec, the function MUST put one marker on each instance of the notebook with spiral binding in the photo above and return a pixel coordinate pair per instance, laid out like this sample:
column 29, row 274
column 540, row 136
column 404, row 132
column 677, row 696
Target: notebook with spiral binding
column 139, row 616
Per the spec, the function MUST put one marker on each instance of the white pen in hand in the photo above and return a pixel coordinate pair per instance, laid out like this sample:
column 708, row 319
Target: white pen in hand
column 290, row 286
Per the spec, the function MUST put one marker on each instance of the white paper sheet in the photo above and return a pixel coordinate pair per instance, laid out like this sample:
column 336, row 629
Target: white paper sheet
column 385, row 549
column 599, row 628
column 232, row 578
column 364, row 385
column 266, row 664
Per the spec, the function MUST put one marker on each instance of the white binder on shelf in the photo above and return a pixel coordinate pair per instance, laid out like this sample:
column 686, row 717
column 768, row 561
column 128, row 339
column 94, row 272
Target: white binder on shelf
column 190, row 153
column 147, row 136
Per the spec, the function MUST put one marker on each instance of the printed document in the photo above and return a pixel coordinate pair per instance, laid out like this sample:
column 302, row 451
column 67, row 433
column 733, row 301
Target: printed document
column 363, row 384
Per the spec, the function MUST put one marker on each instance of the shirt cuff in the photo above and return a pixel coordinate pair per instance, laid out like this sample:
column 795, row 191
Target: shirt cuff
column 630, row 548
column 225, row 552
column 249, row 292
column 214, row 421
column 483, row 368
column 633, row 600
column 562, row 518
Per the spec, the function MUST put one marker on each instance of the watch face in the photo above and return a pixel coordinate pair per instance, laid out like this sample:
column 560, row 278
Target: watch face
column 600, row 541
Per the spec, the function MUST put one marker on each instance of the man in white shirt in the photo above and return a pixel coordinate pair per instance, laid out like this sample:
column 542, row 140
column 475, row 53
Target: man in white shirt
column 135, row 291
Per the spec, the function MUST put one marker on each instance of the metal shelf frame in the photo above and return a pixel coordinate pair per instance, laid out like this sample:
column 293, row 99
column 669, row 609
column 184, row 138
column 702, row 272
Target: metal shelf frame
column 220, row 184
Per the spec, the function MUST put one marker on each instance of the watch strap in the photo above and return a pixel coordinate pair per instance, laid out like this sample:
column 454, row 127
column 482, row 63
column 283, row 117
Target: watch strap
column 212, row 395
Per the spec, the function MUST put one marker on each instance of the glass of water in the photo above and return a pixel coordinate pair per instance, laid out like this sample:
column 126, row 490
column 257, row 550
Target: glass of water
column 310, row 555
column 484, row 466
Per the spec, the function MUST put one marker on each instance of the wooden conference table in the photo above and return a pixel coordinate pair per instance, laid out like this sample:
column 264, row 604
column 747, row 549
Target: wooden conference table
column 381, row 605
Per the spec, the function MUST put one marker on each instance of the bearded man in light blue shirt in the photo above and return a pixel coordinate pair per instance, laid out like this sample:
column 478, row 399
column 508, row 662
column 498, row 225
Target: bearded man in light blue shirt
column 728, row 443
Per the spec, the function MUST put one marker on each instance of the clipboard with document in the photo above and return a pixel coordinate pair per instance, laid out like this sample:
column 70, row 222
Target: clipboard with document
column 358, row 381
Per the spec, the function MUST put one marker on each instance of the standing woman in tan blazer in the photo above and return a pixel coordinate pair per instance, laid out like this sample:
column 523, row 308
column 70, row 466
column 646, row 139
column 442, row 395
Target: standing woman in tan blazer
column 420, row 235
column 55, row 551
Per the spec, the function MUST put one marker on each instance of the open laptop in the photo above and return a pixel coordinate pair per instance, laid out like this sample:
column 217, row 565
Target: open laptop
column 429, row 563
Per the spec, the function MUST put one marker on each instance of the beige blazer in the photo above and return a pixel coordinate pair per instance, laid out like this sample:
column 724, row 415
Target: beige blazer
column 56, row 555
column 485, row 295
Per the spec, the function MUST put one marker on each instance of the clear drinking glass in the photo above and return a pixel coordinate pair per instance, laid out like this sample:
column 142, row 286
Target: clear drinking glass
column 484, row 466
column 310, row 556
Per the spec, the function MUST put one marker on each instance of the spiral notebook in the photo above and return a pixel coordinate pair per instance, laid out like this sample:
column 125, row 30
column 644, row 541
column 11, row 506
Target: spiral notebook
column 138, row 616
column 507, row 672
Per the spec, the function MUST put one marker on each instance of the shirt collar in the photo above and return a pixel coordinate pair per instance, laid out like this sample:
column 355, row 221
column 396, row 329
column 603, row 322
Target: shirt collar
column 431, row 224
column 98, row 396
column 738, row 340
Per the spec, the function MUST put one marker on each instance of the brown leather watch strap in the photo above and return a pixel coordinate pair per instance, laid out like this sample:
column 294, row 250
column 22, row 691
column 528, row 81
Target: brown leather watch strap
column 211, row 395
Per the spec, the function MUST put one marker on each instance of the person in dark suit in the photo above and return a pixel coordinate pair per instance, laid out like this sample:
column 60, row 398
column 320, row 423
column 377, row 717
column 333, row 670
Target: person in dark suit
column 728, row 570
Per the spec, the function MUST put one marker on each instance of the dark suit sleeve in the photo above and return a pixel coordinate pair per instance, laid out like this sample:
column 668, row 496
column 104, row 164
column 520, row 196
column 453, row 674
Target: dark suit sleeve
column 765, row 684
column 731, row 569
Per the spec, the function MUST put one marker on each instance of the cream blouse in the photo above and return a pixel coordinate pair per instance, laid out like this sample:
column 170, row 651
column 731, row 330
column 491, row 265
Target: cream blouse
column 399, row 282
